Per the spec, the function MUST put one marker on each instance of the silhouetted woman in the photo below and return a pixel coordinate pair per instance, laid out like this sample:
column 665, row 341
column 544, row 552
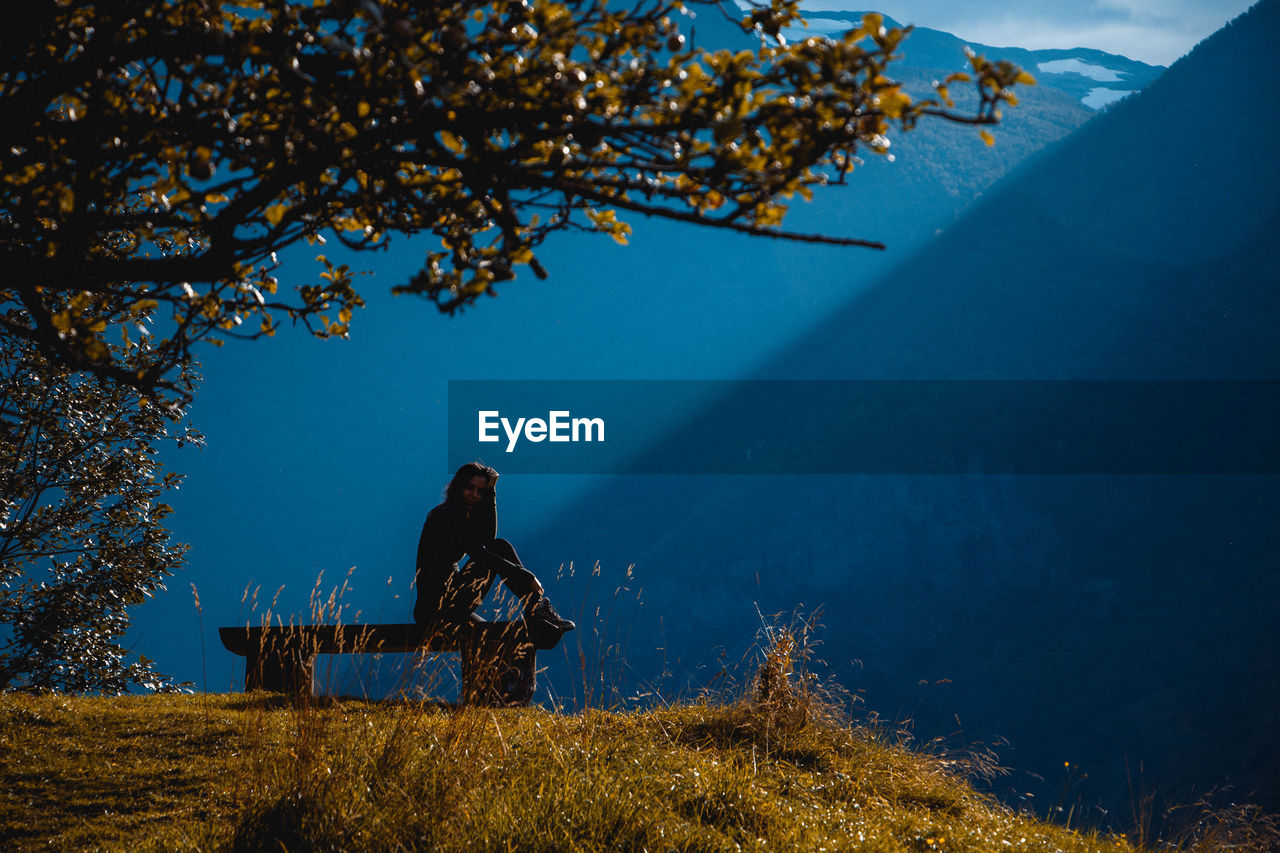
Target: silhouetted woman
column 467, row 523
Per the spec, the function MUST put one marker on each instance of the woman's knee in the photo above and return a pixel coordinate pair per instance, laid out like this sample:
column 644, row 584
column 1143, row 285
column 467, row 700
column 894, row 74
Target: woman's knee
column 505, row 550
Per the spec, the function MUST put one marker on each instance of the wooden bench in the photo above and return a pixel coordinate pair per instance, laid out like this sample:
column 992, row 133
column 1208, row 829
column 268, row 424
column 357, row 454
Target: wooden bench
column 498, row 658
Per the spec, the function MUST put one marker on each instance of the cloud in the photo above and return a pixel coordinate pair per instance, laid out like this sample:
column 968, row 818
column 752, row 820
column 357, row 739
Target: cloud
column 1154, row 31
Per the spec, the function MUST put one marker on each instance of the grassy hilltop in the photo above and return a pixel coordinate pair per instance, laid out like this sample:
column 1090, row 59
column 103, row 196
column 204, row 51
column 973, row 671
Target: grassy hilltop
column 255, row 772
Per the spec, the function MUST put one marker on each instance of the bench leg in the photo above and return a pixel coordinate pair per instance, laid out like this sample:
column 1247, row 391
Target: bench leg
column 499, row 674
column 281, row 671
column 520, row 677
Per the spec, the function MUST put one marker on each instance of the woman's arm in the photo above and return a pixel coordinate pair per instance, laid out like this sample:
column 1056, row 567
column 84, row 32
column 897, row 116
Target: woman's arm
column 439, row 545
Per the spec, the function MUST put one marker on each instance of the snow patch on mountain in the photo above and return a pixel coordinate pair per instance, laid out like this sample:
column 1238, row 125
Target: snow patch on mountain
column 1101, row 96
column 1084, row 69
column 1098, row 96
column 817, row 27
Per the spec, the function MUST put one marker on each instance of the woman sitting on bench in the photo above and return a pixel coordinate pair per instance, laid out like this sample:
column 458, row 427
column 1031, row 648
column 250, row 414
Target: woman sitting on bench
column 467, row 523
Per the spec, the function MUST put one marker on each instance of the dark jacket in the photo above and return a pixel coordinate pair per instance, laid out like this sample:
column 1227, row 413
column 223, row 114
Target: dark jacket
column 447, row 535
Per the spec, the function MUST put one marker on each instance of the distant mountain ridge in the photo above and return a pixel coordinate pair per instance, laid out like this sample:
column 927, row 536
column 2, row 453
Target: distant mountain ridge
column 1094, row 77
column 939, row 166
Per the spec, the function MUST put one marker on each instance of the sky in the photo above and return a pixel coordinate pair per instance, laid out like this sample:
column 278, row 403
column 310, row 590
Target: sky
column 1153, row 31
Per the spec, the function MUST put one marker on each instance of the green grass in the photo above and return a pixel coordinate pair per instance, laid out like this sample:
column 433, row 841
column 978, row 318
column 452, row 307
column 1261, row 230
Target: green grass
column 773, row 771
column 180, row 772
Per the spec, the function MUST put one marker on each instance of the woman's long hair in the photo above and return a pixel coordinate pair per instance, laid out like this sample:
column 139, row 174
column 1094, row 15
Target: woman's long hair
column 453, row 491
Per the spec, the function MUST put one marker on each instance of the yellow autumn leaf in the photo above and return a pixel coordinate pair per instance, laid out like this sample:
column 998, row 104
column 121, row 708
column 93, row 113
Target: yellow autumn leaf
column 893, row 102
column 769, row 215
column 275, row 213
column 987, row 137
column 451, row 142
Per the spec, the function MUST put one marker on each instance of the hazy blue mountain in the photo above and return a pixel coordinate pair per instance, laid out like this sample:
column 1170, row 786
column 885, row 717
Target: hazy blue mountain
column 1089, row 619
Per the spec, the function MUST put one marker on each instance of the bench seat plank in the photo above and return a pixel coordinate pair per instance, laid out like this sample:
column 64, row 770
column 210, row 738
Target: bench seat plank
column 282, row 657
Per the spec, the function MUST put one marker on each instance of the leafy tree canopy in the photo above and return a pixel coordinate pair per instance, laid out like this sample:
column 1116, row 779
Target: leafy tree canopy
column 82, row 534
column 158, row 154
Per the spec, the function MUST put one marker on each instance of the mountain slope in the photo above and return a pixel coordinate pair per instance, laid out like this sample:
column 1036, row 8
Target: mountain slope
column 1096, row 620
column 1141, row 219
